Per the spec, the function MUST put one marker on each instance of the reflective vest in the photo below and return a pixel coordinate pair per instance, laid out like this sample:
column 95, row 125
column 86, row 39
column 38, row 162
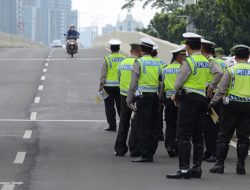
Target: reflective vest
column 211, row 75
column 200, row 73
column 125, row 72
column 149, row 75
column 169, row 74
column 113, row 60
column 221, row 64
column 239, row 89
column 162, row 62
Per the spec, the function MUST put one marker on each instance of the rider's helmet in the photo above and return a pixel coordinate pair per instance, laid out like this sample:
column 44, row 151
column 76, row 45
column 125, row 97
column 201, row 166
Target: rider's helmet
column 72, row 27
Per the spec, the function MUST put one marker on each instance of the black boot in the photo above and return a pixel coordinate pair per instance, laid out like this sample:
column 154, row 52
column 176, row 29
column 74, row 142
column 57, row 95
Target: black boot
column 197, row 160
column 242, row 152
column 221, row 154
column 184, row 148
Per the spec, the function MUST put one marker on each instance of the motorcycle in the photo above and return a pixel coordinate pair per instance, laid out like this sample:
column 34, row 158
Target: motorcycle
column 72, row 47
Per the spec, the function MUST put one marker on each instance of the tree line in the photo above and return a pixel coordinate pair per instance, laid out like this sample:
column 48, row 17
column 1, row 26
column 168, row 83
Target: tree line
column 225, row 22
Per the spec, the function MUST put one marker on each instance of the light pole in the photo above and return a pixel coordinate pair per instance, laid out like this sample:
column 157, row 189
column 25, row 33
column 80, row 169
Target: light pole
column 190, row 25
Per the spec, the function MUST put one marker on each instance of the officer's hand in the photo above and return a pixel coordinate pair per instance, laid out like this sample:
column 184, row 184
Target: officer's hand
column 101, row 87
column 131, row 106
column 210, row 92
column 175, row 101
column 209, row 108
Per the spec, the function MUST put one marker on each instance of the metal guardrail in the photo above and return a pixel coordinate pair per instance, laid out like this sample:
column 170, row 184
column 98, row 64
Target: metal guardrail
column 133, row 37
column 14, row 41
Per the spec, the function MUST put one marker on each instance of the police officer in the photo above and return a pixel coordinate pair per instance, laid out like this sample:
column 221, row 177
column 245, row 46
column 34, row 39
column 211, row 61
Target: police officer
column 211, row 129
column 154, row 54
column 109, row 82
column 145, row 85
column 124, row 76
column 235, row 84
column 169, row 74
column 190, row 86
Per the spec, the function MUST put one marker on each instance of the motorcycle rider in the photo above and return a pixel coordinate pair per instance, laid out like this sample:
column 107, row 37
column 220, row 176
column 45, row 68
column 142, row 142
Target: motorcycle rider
column 72, row 34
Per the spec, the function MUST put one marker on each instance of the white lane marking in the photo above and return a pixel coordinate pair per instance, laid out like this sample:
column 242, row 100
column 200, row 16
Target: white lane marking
column 11, row 183
column 33, row 116
column 27, row 134
column 49, row 56
column 40, row 88
column 55, row 59
column 20, row 156
column 8, row 187
column 46, row 64
column 43, row 77
column 45, row 70
column 234, row 144
column 37, row 100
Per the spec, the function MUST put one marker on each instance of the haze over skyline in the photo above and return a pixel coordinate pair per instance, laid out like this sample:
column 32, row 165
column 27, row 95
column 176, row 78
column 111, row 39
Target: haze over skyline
column 107, row 12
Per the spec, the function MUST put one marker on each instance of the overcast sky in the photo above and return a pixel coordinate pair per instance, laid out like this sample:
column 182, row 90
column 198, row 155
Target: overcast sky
column 104, row 12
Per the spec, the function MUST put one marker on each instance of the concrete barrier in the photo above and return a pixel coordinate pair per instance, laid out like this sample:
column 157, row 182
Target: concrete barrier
column 132, row 37
column 10, row 41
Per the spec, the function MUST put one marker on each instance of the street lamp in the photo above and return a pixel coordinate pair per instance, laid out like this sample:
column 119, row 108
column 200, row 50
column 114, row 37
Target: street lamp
column 190, row 25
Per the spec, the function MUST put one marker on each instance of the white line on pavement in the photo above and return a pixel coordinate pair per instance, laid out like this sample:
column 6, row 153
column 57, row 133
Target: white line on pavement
column 45, row 70
column 11, row 183
column 46, row 64
column 37, row 100
column 20, row 156
column 43, row 77
column 40, row 88
column 234, row 144
column 55, row 59
column 33, row 116
column 27, row 134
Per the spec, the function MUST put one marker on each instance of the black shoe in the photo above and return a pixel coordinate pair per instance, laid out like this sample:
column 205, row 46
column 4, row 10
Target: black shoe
column 119, row 154
column 218, row 169
column 180, row 175
column 196, row 172
column 141, row 159
column 110, row 129
column 240, row 170
column 211, row 159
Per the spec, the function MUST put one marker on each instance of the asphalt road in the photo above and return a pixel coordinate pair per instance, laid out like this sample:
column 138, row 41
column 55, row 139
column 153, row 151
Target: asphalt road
column 52, row 132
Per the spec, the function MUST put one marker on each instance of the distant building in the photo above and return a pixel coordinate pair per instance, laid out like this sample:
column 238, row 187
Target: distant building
column 39, row 20
column 189, row 2
column 129, row 24
column 86, row 36
column 108, row 28
column 9, row 14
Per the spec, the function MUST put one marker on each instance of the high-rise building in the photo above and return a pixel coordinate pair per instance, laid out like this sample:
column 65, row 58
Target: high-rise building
column 129, row 24
column 9, row 13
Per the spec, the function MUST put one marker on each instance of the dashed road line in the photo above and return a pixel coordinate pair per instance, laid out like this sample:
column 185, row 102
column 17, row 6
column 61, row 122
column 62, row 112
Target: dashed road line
column 27, row 134
column 37, row 100
column 46, row 64
column 43, row 77
column 20, row 156
column 45, row 70
column 33, row 116
column 41, row 87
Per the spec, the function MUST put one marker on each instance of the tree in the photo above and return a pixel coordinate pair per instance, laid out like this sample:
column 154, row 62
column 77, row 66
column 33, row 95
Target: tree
column 164, row 5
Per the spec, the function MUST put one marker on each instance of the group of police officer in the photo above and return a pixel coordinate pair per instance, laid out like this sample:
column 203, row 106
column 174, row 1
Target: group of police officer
column 190, row 87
